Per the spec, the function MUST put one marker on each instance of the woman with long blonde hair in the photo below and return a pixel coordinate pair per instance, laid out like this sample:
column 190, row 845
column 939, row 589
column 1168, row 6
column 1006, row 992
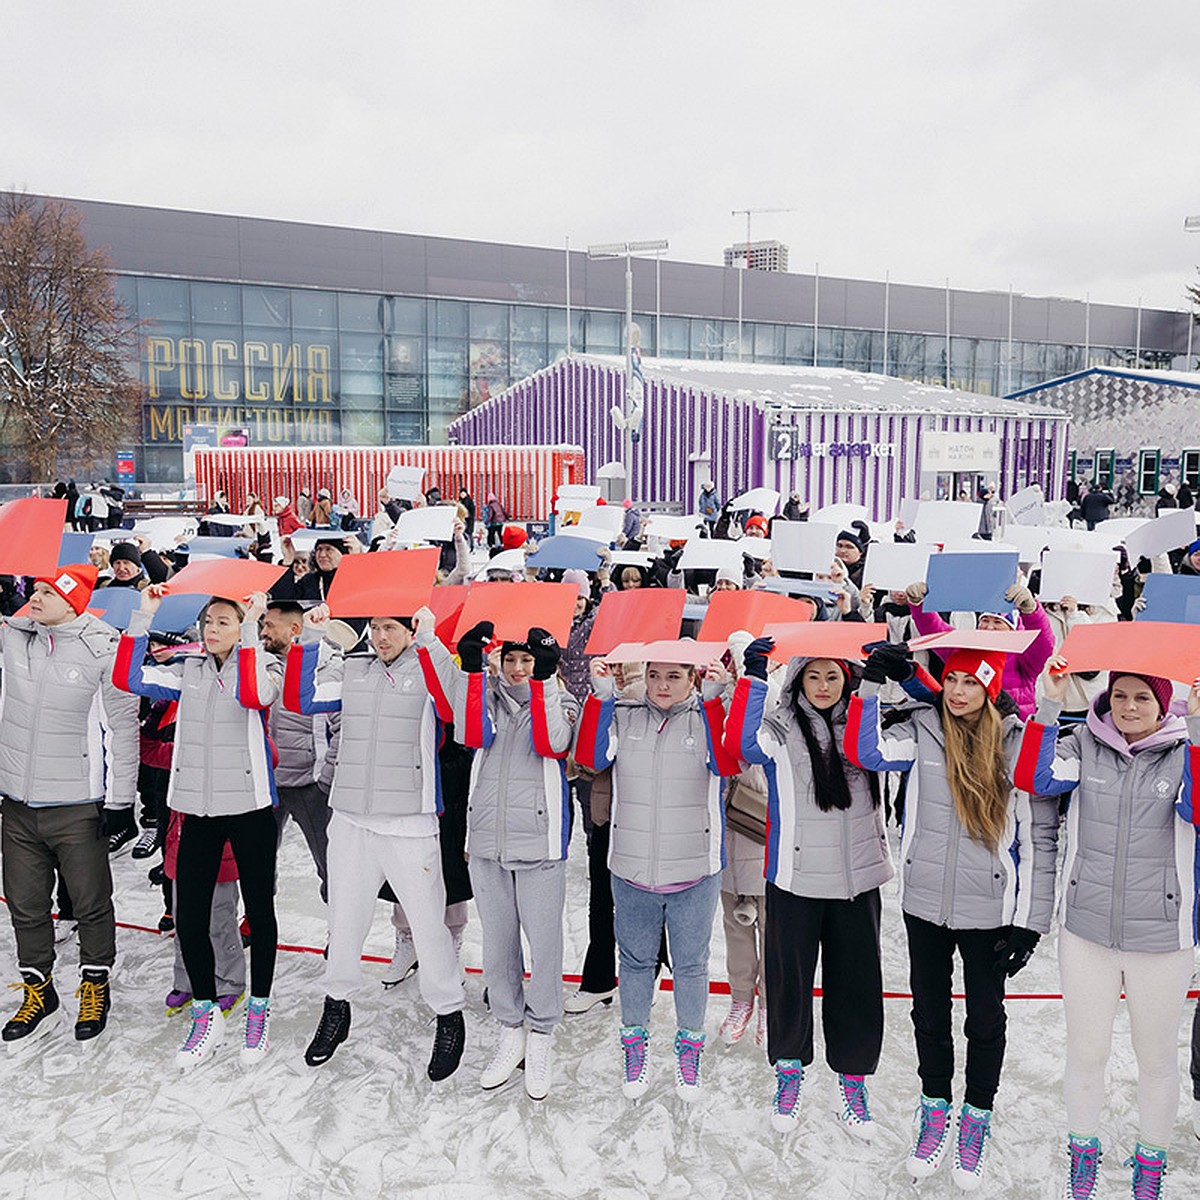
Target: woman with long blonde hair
column 976, row 877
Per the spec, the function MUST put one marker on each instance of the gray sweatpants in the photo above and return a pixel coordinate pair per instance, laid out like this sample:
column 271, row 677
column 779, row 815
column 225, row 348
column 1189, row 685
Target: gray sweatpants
column 522, row 898
column 309, row 807
column 743, row 950
column 229, row 959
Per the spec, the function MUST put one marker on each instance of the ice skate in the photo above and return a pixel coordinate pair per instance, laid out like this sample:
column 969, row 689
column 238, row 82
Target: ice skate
column 736, row 1021
column 94, row 1003
column 633, row 1044
column 38, row 1002
column 255, row 1039
column 855, row 1113
column 689, row 1045
column 206, row 1034
column 331, row 1032
column 146, row 844
column 448, row 1044
column 580, row 1001
column 935, row 1124
column 538, row 1064
column 1083, row 1171
column 404, row 960
column 1149, row 1165
column 508, row 1058
column 785, row 1108
column 970, row 1147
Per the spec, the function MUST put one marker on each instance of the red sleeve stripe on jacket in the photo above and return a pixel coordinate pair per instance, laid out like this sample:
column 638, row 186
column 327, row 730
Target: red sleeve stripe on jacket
column 441, row 702
column 537, row 715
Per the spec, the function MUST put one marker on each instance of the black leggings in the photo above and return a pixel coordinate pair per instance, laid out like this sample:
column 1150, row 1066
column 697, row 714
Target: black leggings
column 931, row 968
column 201, row 844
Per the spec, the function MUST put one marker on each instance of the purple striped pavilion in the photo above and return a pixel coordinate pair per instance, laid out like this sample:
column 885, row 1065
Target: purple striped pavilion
column 834, row 436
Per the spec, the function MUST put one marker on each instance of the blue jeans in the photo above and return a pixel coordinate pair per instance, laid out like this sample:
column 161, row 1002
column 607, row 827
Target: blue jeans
column 639, row 917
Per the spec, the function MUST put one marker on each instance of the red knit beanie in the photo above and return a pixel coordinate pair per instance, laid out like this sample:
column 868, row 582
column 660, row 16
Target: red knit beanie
column 986, row 665
column 513, row 537
column 74, row 583
column 1163, row 689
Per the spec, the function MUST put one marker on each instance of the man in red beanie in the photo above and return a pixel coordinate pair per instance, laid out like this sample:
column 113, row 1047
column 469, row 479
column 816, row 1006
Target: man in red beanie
column 68, row 754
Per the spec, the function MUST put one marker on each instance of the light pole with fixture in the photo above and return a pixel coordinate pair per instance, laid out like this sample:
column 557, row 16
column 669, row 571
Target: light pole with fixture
column 628, row 419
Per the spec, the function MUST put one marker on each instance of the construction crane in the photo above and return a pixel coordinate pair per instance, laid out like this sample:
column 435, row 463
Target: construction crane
column 748, row 213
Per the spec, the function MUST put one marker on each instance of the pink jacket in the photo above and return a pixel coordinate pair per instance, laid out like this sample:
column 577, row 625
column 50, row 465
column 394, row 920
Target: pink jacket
column 1021, row 671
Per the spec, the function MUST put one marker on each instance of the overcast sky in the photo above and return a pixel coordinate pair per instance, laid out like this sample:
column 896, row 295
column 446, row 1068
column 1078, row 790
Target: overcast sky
column 1047, row 145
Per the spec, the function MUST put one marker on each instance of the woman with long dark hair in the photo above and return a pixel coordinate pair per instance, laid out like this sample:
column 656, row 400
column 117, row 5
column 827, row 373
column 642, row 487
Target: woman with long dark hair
column 977, row 877
column 826, row 859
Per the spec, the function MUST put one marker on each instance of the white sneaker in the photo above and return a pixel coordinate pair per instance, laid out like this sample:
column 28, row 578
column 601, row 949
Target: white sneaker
column 404, row 960
column 508, row 1058
column 736, row 1021
column 538, row 1058
column 255, row 1042
column 206, row 1034
column 580, row 1001
column 760, row 1032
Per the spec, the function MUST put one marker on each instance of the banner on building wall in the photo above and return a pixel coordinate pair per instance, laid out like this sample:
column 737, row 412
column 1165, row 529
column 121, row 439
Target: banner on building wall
column 948, row 451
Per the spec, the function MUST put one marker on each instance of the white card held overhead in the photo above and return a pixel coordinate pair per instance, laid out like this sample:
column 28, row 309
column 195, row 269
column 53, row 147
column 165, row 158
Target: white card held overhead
column 894, row 565
column 763, row 500
column 587, row 533
column 432, row 523
column 664, row 525
column 803, row 545
column 840, row 515
column 506, row 560
column 1085, row 574
column 1170, row 530
column 606, row 518
column 1026, row 506
column 946, row 520
column 404, row 483
column 757, row 548
column 630, row 558
column 575, row 497
column 710, row 554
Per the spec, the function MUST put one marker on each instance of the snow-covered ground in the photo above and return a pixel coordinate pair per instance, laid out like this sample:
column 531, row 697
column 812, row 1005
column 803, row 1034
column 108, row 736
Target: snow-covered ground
column 114, row 1118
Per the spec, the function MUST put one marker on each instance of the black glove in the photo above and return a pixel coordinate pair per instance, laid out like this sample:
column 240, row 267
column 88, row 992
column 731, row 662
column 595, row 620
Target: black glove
column 1015, row 949
column 754, row 657
column 115, row 820
column 671, row 557
column 888, row 661
column 545, row 651
column 472, row 644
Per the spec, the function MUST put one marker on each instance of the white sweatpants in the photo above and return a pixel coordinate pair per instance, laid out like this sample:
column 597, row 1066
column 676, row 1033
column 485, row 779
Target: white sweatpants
column 1155, row 987
column 359, row 862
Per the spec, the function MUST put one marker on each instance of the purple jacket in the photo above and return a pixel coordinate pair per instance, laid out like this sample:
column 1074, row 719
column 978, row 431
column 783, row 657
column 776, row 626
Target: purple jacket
column 1021, row 671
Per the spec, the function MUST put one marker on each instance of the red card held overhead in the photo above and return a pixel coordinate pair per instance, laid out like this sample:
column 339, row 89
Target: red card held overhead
column 1143, row 648
column 824, row 639
column 1002, row 641
column 515, row 608
column 676, row 650
column 640, row 615
column 447, row 603
column 751, row 611
column 232, row 578
column 392, row 583
column 30, row 534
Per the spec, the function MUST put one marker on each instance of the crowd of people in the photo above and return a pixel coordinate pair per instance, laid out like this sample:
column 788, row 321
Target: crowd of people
column 429, row 774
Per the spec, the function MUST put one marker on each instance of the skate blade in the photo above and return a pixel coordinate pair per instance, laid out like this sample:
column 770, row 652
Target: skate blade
column 511, row 1081
column 19, row 1045
column 388, row 984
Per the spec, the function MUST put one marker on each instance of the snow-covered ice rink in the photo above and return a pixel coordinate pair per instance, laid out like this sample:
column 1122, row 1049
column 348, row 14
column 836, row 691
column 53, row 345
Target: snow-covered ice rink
column 114, row 1118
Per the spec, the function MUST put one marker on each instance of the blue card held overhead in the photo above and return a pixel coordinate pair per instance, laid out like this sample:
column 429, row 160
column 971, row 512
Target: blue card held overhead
column 565, row 553
column 970, row 582
column 226, row 547
column 74, row 548
column 176, row 613
column 115, row 605
column 1171, row 598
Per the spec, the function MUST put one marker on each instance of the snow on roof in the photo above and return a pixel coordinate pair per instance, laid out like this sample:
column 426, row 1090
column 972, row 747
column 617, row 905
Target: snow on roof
column 1184, row 379
column 807, row 389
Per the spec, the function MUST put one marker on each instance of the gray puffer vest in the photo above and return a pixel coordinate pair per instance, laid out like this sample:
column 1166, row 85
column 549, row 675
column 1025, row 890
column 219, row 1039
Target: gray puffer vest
column 667, row 820
column 67, row 735
column 831, row 855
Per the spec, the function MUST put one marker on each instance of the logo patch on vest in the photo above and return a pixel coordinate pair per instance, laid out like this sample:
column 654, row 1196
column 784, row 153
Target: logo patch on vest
column 1162, row 787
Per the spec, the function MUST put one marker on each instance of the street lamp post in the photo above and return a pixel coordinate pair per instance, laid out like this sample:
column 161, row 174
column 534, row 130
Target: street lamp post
column 629, row 419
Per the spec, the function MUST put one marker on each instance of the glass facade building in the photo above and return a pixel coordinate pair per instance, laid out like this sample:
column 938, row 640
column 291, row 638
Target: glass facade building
column 311, row 335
